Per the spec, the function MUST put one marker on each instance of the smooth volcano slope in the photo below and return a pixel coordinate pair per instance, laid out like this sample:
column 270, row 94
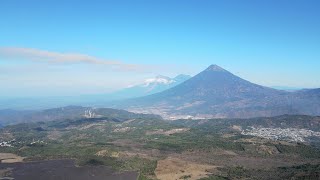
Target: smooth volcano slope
column 216, row 92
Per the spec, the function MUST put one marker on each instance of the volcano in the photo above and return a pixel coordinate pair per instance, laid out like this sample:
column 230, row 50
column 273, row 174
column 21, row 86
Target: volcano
column 217, row 93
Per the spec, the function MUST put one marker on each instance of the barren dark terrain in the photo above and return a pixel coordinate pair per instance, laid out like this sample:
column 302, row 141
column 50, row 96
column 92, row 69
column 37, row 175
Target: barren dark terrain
column 63, row 170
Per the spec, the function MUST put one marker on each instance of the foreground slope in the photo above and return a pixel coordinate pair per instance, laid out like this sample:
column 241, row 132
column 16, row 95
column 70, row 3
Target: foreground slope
column 216, row 92
column 165, row 150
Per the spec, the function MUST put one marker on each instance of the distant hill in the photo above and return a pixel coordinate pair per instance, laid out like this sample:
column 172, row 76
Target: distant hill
column 217, row 93
column 9, row 117
column 283, row 121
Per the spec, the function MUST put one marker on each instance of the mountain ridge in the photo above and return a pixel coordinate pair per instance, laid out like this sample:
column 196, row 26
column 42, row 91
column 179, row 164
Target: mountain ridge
column 67, row 113
column 217, row 93
column 150, row 86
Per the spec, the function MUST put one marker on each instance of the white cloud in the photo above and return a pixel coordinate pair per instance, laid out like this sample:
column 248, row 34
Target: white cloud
column 63, row 58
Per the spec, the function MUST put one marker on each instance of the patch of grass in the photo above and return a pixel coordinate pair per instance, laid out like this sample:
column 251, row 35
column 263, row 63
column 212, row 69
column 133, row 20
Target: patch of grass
column 213, row 177
column 145, row 166
column 185, row 177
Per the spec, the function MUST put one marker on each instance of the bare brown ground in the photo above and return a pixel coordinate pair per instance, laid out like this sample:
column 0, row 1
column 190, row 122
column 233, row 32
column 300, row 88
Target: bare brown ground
column 174, row 168
column 10, row 158
column 167, row 133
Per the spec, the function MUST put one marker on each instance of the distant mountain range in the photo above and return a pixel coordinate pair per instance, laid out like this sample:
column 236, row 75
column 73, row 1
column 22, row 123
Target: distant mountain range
column 147, row 87
column 287, row 88
column 213, row 93
column 217, row 93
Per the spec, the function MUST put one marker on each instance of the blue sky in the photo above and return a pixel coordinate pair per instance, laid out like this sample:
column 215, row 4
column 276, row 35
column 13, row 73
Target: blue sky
column 119, row 43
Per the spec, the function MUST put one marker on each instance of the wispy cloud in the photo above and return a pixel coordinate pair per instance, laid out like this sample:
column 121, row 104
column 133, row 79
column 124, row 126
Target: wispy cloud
column 63, row 58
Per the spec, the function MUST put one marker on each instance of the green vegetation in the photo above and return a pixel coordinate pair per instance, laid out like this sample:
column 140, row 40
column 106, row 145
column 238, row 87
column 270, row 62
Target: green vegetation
column 300, row 149
column 138, row 144
column 185, row 177
column 214, row 178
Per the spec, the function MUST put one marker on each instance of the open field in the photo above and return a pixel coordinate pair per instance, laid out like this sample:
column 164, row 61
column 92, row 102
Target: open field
column 174, row 168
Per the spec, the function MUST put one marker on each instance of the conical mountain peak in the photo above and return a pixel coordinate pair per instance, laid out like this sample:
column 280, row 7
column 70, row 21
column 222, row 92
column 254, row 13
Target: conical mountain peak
column 216, row 68
column 216, row 92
